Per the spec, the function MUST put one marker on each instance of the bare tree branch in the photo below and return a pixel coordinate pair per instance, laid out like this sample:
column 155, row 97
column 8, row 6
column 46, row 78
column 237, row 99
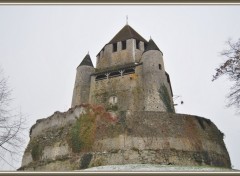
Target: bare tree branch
column 11, row 126
column 231, row 68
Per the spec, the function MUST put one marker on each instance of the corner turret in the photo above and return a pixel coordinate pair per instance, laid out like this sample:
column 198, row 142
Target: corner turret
column 83, row 81
column 154, row 77
column 87, row 61
column 151, row 45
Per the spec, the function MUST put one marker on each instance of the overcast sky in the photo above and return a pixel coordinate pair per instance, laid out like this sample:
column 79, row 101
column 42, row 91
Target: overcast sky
column 41, row 46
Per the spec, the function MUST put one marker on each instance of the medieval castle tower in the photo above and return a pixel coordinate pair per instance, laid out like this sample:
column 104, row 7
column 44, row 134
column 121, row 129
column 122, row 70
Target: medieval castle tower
column 128, row 75
column 122, row 113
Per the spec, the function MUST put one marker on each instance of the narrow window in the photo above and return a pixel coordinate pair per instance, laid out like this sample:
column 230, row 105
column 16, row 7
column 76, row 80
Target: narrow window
column 124, row 45
column 160, row 66
column 114, row 47
column 137, row 44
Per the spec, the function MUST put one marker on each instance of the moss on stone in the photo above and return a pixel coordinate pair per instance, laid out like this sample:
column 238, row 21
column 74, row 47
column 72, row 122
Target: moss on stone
column 164, row 95
column 37, row 151
column 82, row 133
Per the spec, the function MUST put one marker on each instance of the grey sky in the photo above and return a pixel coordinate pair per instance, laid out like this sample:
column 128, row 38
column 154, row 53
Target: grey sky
column 41, row 46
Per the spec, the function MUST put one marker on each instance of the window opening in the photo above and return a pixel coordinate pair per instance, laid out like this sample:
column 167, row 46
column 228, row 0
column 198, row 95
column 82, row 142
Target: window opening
column 114, row 74
column 160, row 66
column 100, row 77
column 114, row 47
column 124, row 45
column 129, row 71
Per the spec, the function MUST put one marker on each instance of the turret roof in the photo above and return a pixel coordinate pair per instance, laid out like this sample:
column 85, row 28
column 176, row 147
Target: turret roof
column 151, row 45
column 86, row 61
column 127, row 32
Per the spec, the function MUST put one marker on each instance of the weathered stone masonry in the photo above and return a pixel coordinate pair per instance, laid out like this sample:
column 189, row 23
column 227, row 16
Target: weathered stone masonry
column 135, row 137
column 133, row 74
column 120, row 115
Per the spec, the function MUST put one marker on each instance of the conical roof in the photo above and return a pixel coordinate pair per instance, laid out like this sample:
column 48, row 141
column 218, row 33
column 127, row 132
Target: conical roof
column 151, row 45
column 86, row 61
column 127, row 32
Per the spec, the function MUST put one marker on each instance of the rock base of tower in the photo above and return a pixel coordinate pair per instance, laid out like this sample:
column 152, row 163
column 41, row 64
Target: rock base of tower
column 89, row 136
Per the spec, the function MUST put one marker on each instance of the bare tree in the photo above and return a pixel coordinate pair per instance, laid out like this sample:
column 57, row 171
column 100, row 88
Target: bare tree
column 231, row 68
column 11, row 126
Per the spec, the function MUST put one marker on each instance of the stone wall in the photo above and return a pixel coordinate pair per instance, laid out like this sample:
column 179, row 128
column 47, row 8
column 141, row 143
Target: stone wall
column 127, row 88
column 126, row 137
column 108, row 58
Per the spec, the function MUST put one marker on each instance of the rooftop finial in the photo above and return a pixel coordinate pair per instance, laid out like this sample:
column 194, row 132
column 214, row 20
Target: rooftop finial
column 88, row 52
column 150, row 37
column 127, row 20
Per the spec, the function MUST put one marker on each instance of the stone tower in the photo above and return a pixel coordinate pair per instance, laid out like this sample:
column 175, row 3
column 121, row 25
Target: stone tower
column 128, row 76
column 122, row 120
column 82, row 82
column 154, row 76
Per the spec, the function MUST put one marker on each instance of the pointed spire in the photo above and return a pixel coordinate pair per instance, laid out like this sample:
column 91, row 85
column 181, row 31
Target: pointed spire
column 86, row 61
column 126, row 20
column 151, row 46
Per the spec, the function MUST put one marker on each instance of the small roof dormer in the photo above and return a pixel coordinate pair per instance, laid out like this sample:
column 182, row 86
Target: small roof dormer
column 87, row 61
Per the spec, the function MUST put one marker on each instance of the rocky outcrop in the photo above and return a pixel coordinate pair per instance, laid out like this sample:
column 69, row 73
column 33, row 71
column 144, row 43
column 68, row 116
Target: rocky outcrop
column 88, row 136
